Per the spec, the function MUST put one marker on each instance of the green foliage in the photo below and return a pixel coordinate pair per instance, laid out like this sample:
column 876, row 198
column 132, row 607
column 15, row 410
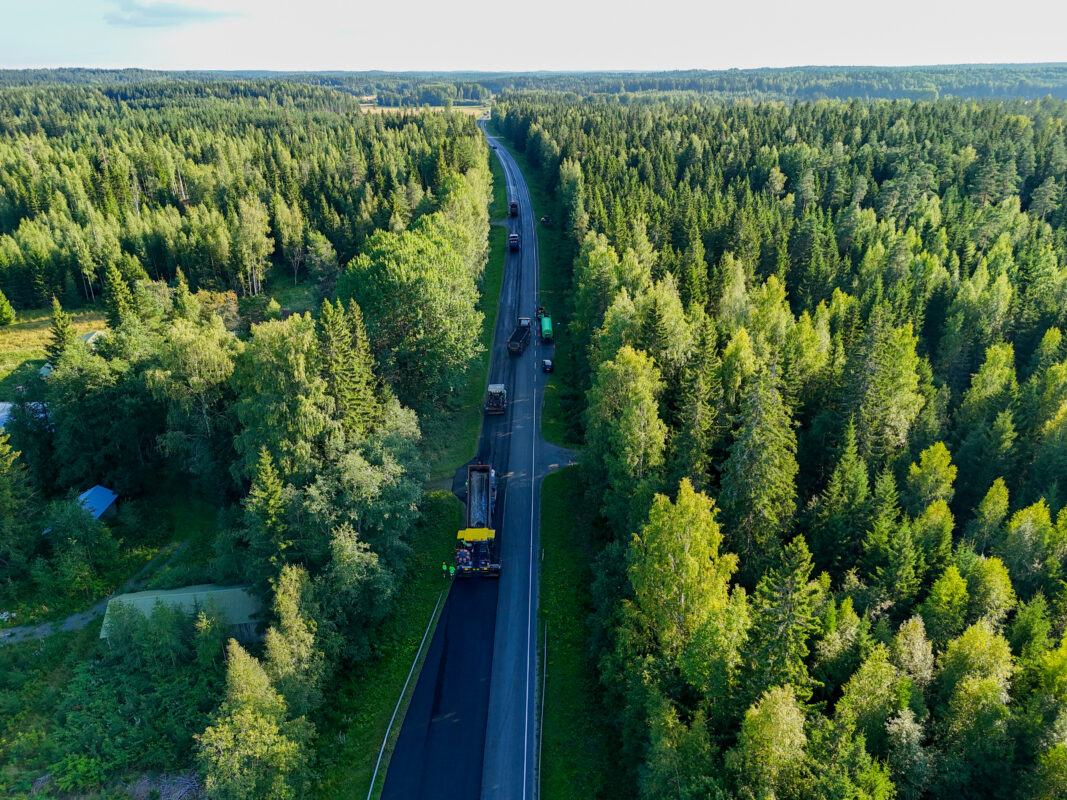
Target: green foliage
column 625, row 435
column 7, row 313
column 759, row 483
column 252, row 749
column 860, row 303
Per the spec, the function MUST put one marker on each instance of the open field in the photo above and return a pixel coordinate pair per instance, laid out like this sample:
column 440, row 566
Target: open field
column 22, row 344
column 373, row 108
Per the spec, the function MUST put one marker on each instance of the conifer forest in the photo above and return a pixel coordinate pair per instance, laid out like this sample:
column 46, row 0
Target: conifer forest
column 810, row 361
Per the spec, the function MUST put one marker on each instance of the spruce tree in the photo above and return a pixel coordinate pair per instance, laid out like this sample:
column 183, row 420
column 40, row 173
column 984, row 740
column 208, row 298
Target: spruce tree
column 759, row 485
column 366, row 409
column 63, row 334
column 117, row 298
column 699, row 428
column 265, row 523
column 842, row 511
column 185, row 305
column 783, row 619
column 7, row 313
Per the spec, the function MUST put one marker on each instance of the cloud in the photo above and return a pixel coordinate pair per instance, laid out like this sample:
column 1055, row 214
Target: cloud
column 141, row 14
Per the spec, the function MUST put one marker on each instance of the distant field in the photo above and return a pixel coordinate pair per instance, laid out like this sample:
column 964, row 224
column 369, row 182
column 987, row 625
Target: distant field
column 22, row 344
column 373, row 108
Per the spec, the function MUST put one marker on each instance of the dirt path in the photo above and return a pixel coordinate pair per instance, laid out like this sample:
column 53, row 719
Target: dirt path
column 81, row 619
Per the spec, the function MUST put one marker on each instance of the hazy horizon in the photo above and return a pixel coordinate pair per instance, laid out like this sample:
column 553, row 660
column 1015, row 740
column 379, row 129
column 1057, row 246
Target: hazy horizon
column 551, row 36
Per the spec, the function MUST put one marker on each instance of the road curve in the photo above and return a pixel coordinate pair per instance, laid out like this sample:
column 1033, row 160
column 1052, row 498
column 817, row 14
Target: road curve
column 470, row 730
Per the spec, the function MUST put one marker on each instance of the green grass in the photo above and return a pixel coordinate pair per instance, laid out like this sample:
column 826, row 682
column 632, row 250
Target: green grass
column 195, row 523
column 574, row 754
column 22, row 344
column 452, row 436
column 554, row 253
column 297, row 298
column 498, row 208
column 364, row 702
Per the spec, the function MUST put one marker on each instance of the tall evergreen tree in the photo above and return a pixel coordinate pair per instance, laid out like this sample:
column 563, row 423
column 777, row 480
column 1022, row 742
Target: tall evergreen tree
column 842, row 510
column 117, row 298
column 62, row 335
column 759, row 485
column 7, row 313
column 783, row 619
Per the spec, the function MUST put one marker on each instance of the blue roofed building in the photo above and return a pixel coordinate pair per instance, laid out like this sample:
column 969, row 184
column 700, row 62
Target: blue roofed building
column 98, row 501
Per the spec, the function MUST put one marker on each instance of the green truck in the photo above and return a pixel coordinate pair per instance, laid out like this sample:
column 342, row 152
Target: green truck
column 546, row 329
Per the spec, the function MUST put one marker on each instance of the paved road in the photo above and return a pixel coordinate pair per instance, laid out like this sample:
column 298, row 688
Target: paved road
column 470, row 730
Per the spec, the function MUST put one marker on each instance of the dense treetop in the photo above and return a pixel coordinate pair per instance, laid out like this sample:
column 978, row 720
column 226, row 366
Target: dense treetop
column 821, row 362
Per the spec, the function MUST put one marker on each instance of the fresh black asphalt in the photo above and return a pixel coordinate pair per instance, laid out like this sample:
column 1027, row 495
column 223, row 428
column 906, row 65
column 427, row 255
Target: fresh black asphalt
column 441, row 750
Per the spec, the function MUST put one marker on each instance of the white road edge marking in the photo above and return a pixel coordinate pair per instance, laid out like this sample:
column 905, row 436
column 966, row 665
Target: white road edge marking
column 403, row 691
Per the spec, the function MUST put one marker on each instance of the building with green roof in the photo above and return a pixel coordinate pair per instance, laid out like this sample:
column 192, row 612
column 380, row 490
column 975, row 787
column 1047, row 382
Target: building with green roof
column 236, row 604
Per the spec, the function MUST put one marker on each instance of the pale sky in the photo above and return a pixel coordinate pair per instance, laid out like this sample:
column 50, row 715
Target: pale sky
column 515, row 35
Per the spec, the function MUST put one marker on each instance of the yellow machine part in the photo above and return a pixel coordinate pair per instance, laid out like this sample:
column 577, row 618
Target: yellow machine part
column 476, row 534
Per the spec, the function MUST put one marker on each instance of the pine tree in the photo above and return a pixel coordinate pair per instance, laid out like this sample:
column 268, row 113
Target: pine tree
column 7, row 313
column 366, row 409
column 117, row 298
column 63, row 334
column 693, row 281
column 759, row 485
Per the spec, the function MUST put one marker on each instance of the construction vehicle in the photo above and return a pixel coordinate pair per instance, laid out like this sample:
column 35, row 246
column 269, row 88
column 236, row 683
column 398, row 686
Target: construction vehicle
column 513, row 241
column 477, row 550
column 513, row 209
column 520, row 337
column 546, row 329
column 496, row 399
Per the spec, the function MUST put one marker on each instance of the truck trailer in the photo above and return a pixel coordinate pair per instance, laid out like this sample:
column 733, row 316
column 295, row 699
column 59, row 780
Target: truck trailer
column 546, row 329
column 520, row 337
column 496, row 399
column 477, row 550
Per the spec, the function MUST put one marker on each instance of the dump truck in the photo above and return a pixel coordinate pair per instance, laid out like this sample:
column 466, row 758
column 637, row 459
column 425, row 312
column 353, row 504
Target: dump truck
column 520, row 337
column 496, row 399
column 513, row 241
column 513, row 209
column 477, row 550
column 546, row 329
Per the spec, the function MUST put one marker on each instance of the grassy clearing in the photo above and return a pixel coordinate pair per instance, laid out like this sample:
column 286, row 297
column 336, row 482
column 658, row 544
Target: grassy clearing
column 298, row 298
column 360, row 710
column 554, row 252
column 574, row 752
column 22, row 344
